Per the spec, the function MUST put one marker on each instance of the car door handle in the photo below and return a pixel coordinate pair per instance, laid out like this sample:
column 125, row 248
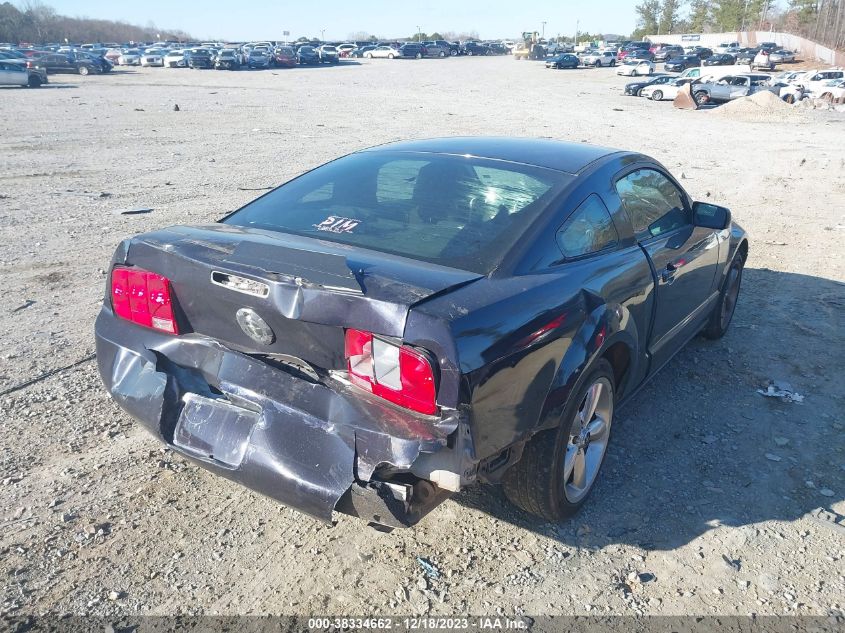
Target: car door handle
column 668, row 273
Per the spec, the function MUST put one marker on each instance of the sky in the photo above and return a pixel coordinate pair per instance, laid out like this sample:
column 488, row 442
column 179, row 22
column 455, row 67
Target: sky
column 384, row 18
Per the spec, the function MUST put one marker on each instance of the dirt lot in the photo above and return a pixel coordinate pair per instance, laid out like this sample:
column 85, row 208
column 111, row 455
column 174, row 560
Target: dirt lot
column 702, row 505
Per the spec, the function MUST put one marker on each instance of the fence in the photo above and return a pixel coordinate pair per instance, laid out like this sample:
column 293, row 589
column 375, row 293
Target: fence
column 806, row 49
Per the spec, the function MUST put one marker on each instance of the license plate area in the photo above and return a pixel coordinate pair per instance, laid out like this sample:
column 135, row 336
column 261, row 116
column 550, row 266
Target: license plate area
column 214, row 430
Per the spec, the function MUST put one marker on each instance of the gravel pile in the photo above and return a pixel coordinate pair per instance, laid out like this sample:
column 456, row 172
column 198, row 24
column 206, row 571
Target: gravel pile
column 761, row 106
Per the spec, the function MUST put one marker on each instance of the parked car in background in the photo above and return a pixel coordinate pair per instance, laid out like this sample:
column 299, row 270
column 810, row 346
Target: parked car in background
column 475, row 49
column 666, row 52
column 640, row 53
column 68, row 63
column 201, row 58
column 307, row 55
column 782, row 56
column 746, row 55
column 762, row 61
column 659, row 92
column 832, row 90
column 417, row 51
column 16, row 72
column 428, row 351
column 346, row 49
column 679, row 64
column 176, row 59
column 635, row 87
column 437, row 48
column 564, row 60
column 814, row 80
column 153, row 57
column 701, row 52
column 259, row 58
column 596, row 58
column 383, row 52
column 130, row 57
column 632, row 67
column 728, row 47
column 103, row 65
column 328, row 54
column 769, row 46
column 362, row 52
column 113, row 55
column 228, row 59
column 731, row 87
column 719, row 59
column 284, row 57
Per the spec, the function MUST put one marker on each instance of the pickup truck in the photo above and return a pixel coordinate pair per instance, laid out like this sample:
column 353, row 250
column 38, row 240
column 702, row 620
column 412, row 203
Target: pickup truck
column 731, row 87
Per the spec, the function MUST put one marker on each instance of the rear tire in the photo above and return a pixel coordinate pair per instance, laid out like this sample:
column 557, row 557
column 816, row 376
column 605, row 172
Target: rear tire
column 34, row 82
column 559, row 467
column 83, row 70
column 441, row 54
column 720, row 318
column 391, row 56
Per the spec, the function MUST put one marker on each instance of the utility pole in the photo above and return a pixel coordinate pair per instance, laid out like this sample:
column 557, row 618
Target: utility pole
column 419, row 34
column 322, row 35
column 544, row 29
column 577, row 23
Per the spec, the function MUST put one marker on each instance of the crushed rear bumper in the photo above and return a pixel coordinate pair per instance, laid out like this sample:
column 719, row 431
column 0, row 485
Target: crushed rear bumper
column 317, row 446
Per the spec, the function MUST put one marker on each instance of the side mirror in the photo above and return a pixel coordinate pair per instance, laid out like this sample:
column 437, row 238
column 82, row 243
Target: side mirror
column 710, row 216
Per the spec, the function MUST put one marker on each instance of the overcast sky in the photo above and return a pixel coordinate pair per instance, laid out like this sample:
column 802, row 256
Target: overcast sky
column 385, row 18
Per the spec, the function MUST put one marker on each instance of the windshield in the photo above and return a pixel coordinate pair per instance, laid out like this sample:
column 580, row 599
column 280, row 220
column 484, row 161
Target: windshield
column 456, row 211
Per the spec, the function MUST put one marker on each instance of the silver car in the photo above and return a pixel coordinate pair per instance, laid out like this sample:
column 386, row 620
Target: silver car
column 782, row 57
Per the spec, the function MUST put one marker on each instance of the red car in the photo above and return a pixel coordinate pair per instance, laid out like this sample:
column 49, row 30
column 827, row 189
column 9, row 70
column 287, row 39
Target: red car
column 284, row 56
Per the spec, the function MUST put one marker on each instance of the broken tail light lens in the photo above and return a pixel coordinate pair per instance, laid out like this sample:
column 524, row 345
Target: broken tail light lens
column 396, row 373
column 143, row 298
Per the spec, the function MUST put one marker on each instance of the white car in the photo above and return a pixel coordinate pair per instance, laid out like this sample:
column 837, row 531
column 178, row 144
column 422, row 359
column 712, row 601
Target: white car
column 605, row 58
column 345, row 50
column 832, row 91
column 664, row 91
column 131, row 57
column 728, row 47
column 153, row 57
column 813, row 80
column 176, row 59
column 387, row 52
column 634, row 67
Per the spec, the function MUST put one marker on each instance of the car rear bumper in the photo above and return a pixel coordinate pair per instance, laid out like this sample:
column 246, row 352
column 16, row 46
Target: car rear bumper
column 317, row 446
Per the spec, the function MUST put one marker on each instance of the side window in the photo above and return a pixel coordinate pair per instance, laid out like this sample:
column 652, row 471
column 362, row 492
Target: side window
column 588, row 230
column 653, row 202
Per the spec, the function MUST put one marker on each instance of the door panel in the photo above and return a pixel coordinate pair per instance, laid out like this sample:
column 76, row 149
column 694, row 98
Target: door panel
column 684, row 257
column 685, row 261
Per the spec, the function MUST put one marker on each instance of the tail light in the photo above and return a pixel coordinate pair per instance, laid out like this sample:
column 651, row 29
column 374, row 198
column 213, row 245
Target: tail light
column 396, row 373
column 143, row 298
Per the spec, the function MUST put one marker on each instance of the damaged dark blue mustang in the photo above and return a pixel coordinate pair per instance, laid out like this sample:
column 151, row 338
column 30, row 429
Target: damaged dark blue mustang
column 410, row 319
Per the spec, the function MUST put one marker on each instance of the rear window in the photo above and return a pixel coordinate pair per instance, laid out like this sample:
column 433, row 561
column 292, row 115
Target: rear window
column 457, row 211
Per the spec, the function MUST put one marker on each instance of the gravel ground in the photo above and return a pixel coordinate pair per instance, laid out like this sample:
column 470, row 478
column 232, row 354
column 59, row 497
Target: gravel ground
column 704, row 499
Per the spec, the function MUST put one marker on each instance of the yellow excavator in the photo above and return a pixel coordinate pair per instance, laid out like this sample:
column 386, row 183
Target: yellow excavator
column 530, row 48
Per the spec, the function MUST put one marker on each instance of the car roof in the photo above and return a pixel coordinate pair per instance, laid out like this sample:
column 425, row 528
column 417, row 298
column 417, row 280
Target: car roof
column 561, row 156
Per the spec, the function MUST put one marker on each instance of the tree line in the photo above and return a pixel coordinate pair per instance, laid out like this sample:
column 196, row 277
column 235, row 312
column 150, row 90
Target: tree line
column 38, row 23
column 820, row 20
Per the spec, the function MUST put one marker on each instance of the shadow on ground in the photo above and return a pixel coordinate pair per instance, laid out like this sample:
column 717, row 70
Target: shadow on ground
column 698, row 447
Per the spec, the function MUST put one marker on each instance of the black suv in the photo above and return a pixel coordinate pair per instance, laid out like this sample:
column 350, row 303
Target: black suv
column 417, row 51
column 475, row 48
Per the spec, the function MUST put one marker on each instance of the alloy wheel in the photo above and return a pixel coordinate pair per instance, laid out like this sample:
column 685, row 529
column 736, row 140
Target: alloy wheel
column 587, row 440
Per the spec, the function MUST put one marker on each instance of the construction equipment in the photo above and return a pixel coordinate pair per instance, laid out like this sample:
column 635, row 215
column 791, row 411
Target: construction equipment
column 530, row 48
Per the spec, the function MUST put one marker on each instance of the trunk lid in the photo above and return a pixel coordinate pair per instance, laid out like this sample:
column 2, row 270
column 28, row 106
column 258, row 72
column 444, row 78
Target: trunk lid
column 306, row 290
